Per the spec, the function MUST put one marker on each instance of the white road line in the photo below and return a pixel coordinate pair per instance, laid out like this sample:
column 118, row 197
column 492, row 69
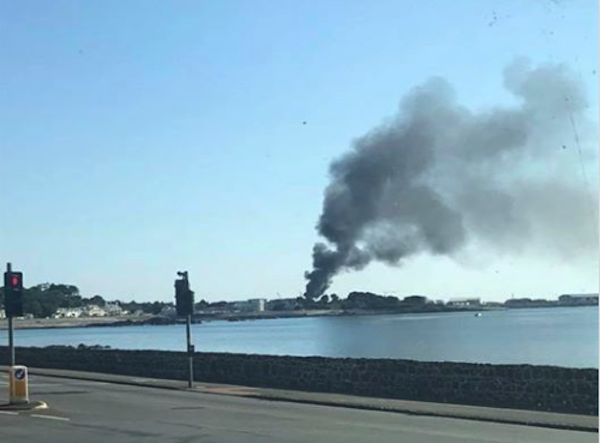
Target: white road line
column 87, row 383
column 51, row 417
column 9, row 413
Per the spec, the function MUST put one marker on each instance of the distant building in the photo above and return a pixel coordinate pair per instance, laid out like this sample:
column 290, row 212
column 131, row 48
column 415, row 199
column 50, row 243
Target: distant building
column 2, row 314
column 114, row 309
column 415, row 300
column 578, row 299
column 528, row 303
column 258, row 304
column 168, row 312
column 252, row 305
column 67, row 313
column 464, row 302
column 93, row 311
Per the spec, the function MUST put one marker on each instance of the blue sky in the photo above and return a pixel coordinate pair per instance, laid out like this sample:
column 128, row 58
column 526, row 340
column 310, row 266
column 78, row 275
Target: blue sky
column 143, row 137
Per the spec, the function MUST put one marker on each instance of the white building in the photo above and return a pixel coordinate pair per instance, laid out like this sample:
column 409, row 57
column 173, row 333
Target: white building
column 258, row 304
column 464, row 302
column 67, row 313
column 94, row 311
column 2, row 314
column 114, row 309
column 252, row 305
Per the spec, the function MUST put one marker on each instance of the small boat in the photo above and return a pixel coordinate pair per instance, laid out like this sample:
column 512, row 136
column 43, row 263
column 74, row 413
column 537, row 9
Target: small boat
column 478, row 314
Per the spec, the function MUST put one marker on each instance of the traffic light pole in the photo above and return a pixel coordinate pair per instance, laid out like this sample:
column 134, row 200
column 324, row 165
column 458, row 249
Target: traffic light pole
column 11, row 341
column 190, row 351
column 184, row 304
column 11, row 337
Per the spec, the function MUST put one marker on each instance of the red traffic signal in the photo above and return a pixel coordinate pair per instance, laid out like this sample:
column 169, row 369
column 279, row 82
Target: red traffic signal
column 14, row 280
column 13, row 294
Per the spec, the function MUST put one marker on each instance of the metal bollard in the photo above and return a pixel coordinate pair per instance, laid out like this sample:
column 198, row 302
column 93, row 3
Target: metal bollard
column 18, row 385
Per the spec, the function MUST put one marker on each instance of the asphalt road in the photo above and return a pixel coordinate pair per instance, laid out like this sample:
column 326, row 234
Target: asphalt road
column 87, row 411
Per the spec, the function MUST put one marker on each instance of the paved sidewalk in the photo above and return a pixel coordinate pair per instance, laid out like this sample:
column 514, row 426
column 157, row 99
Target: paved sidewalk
column 497, row 415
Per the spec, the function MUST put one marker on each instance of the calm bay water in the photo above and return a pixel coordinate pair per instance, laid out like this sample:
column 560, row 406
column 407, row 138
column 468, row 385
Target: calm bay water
column 559, row 336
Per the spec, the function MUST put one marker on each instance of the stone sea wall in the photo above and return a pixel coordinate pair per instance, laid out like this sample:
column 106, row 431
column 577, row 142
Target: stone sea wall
column 544, row 388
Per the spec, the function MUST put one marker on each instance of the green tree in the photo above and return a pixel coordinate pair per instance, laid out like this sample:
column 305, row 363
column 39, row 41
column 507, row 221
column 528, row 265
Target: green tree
column 202, row 304
column 37, row 309
column 98, row 301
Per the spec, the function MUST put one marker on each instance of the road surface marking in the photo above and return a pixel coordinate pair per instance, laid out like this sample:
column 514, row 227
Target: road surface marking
column 51, row 417
column 88, row 383
column 9, row 413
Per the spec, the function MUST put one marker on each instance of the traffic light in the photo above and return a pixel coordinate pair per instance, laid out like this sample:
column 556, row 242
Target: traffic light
column 13, row 294
column 184, row 297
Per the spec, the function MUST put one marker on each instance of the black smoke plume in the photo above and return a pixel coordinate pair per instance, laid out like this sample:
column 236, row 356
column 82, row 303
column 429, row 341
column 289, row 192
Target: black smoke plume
column 438, row 175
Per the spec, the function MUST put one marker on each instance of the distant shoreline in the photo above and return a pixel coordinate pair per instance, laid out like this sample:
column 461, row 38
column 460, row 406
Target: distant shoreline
column 61, row 323
column 149, row 320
